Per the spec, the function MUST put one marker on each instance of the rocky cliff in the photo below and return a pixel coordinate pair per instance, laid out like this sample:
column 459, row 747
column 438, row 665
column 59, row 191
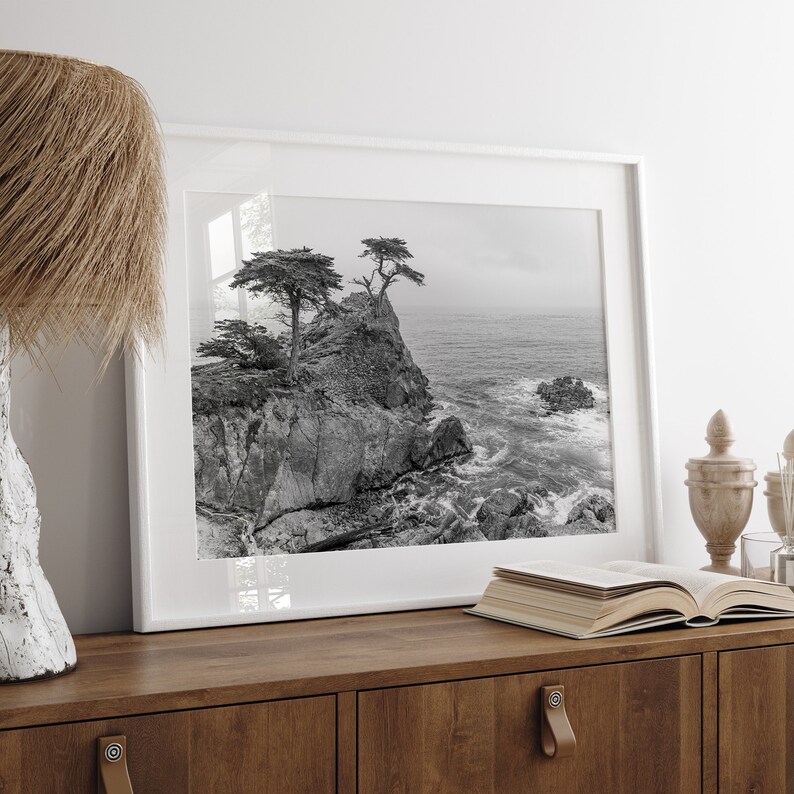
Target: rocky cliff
column 355, row 421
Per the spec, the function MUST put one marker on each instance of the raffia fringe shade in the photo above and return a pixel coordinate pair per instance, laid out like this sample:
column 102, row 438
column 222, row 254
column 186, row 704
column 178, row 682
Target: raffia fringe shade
column 82, row 205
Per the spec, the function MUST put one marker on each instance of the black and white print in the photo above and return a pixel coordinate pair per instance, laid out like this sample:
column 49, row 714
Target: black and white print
column 371, row 374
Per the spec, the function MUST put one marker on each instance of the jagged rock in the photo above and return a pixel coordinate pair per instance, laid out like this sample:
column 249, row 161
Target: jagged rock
column 505, row 502
column 509, row 513
column 355, row 421
column 448, row 440
column 294, row 531
column 593, row 514
column 566, row 394
column 525, row 526
column 354, row 355
column 222, row 536
column 463, row 533
column 363, row 523
column 301, row 451
column 494, row 513
column 594, row 507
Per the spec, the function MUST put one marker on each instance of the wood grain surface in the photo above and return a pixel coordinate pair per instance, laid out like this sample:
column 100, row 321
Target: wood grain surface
column 127, row 674
column 417, row 701
column 285, row 747
column 756, row 716
column 709, row 710
column 346, row 743
column 637, row 729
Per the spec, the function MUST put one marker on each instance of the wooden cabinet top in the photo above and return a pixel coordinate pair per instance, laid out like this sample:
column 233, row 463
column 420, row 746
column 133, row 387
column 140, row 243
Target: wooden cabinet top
column 127, row 673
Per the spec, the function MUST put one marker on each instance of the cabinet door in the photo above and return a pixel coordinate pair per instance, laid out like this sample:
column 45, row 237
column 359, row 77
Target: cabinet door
column 280, row 747
column 756, row 720
column 637, row 728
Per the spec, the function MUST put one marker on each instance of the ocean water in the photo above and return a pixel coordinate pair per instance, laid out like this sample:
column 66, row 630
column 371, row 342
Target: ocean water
column 484, row 367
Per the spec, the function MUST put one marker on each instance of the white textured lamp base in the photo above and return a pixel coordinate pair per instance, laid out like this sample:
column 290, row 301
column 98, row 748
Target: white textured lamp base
column 34, row 639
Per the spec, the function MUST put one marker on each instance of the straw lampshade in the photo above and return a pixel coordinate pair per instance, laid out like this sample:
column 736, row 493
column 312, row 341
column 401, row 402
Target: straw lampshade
column 82, row 223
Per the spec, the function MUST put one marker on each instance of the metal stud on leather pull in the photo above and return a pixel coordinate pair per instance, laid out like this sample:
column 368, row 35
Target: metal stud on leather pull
column 112, row 777
column 557, row 739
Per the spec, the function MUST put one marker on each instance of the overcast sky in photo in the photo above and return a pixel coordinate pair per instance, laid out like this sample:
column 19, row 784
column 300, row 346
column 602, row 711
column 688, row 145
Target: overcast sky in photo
column 533, row 259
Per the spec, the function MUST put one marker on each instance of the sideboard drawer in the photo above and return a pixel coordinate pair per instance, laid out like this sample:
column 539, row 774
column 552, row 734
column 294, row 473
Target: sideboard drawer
column 279, row 747
column 637, row 728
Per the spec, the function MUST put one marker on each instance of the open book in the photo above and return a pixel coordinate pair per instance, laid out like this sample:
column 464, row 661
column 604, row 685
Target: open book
column 617, row 597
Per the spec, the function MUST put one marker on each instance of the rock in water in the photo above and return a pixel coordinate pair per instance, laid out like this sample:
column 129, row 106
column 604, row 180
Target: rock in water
column 525, row 526
column 592, row 507
column 448, row 440
column 503, row 503
column 566, row 394
column 593, row 514
column 508, row 513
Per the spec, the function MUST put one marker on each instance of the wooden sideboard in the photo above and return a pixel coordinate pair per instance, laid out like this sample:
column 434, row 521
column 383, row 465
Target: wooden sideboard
column 432, row 701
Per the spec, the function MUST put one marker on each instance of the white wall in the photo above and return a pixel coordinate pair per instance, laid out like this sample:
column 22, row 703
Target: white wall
column 702, row 89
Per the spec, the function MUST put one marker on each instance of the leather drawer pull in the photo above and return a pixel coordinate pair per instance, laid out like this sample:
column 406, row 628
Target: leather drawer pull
column 112, row 775
column 556, row 735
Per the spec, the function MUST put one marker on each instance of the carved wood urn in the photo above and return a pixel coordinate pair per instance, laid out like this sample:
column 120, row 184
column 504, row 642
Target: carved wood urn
column 720, row 494
column 774, row 490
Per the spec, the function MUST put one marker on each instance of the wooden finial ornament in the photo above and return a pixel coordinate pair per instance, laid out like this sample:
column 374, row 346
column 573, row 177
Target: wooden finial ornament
column 719, row 436
column 721, row 493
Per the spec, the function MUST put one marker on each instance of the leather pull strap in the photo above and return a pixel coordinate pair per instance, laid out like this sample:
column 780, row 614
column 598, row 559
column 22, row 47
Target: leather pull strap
column 556, row 735
column 112, row 774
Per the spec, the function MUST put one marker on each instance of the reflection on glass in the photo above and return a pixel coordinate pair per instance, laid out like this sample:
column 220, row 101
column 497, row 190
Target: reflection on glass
column 223, row 231
column 256, row 225
column 278, row 591
column 246, row 582
column 221, row 244
column 225, row 301
column 260, row 584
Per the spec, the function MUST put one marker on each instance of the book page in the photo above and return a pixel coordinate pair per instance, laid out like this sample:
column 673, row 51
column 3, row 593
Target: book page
column 647, row 621
column 578, row 574
column 699, row 583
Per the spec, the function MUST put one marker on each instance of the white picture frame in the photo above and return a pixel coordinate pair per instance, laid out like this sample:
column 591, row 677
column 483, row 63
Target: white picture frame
column 175, row 590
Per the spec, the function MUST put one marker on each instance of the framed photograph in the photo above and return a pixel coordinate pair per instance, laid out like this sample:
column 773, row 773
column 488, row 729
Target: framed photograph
column 390, row 365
